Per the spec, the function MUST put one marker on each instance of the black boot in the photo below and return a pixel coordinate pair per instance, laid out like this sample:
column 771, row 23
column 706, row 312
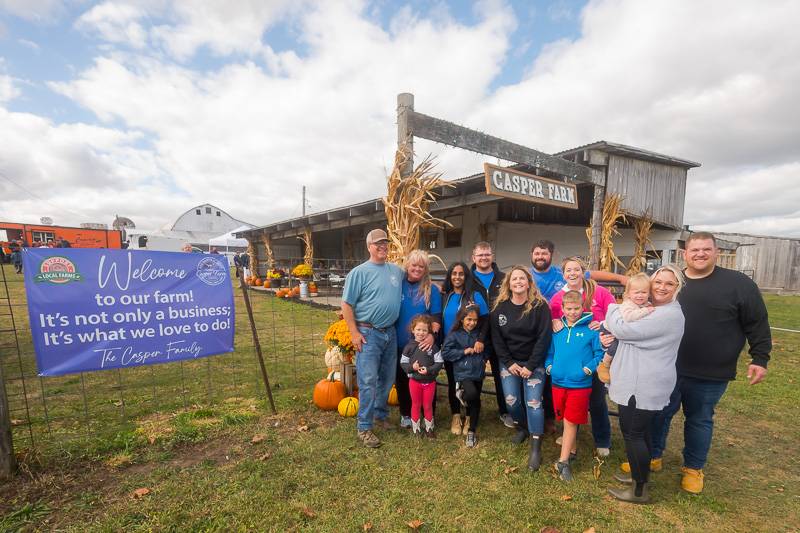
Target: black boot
column 535, row 457
column 519, row 436
column 628, row 494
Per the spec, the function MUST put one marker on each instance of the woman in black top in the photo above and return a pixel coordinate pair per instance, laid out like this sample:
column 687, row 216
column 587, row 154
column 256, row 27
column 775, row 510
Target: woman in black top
column 521, row 332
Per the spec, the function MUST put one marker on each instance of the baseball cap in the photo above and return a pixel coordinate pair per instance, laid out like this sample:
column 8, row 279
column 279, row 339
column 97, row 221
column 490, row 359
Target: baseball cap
column 376, row 235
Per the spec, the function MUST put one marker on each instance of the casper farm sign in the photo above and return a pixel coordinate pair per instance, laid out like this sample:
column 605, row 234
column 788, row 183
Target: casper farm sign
column 529, row 187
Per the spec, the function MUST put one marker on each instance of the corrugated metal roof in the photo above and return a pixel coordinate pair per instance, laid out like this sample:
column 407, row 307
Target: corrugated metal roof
column 632, row 151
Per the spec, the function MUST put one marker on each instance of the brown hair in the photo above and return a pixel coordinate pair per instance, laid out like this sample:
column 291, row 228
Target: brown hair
column 573, row 297
column 588, row 285
column 420, row 319
column 481, row 245
column 535, row 298
column 701, row 236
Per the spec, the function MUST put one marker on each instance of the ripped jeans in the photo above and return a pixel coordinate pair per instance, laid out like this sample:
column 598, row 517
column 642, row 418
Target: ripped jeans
column 524, row 399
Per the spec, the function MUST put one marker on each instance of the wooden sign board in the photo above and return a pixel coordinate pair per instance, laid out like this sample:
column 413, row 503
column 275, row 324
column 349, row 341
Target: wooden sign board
column 529, row 187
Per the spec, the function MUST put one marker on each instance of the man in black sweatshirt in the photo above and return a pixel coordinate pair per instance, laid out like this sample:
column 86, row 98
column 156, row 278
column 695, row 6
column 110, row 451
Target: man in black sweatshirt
column 722, row 308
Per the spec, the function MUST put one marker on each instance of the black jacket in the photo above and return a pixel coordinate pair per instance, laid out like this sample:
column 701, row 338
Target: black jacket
column 722, row 310
column 465, row 367
column 523, row 340
column 431, row 360
column 489, row 294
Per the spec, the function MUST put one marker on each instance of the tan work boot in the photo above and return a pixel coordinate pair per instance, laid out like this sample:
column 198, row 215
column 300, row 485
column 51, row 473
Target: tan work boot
column 692, row 481
column 655, row 465
column 455, row 425
column 369, row 439
column 465, row 427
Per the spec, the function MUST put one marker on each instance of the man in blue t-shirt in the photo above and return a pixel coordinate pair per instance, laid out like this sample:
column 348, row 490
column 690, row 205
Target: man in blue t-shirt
column 549, row 278
column 370, row 307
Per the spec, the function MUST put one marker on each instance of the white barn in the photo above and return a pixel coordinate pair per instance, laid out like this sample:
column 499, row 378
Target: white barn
column 201, row 223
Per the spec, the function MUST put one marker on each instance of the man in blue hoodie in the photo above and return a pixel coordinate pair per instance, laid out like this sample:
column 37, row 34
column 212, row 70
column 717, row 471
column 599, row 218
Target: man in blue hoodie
column 574, row 354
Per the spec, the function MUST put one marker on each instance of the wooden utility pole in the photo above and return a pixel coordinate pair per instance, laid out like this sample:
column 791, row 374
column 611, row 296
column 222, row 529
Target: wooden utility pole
column 304, row 200
column 405, row 138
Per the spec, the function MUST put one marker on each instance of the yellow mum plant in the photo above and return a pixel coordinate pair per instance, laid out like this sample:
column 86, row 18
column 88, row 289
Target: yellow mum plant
column 339, row 336
column 302, row 271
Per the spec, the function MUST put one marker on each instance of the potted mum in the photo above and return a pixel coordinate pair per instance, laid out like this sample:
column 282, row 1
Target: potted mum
column 303, row 272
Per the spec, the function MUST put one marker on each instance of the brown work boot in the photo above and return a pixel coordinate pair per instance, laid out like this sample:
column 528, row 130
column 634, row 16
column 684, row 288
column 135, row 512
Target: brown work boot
column 604, row 372
column 692, row 481
column 455, row 425
column 465, row 427
column 369, row 439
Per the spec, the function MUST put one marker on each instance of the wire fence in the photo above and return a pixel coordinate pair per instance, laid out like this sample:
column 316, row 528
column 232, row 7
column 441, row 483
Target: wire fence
column 52, row 414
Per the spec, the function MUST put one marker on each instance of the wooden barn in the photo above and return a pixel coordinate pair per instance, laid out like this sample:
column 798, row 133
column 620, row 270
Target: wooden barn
column 650, row 184
column 772, row 262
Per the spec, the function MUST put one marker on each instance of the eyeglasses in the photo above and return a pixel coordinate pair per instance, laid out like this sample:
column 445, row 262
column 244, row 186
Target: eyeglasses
column 483, row 255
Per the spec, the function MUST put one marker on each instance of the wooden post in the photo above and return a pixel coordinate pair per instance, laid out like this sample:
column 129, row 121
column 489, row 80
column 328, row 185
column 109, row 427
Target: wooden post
column 8, row 463
column 256, row 342
column 598, row 202
column 405, row 137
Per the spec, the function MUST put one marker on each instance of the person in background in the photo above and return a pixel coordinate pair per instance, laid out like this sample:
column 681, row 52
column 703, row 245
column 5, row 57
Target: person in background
column 63, row 243
column 521, row 333
column 213, row 250
column 723, row 309
column 16, row 257
column 370, row 307
column 420, row 297
column 459, row 291
column 489, row 278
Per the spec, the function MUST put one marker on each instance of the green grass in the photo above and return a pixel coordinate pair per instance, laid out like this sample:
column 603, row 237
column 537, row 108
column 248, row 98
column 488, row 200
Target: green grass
column 227, row 465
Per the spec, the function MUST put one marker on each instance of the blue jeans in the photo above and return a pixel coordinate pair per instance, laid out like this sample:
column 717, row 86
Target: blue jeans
column 524, row 399
column 698, row 397
column 598, row 409
column 375, row 369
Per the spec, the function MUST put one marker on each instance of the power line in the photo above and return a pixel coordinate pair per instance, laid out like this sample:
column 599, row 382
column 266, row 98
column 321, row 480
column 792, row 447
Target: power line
column 37, row 197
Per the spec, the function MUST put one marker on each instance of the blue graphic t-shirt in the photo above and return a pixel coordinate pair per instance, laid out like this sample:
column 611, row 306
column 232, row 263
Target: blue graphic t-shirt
column 374, row 290
column 453, row 305
column 550, row 281
column 413, row 304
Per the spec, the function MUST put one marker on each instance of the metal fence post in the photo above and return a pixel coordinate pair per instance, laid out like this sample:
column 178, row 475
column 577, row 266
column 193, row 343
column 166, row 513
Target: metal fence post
column 8, row 463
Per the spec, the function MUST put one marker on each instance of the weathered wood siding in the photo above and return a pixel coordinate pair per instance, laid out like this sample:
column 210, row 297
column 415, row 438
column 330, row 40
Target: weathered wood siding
column 775, row 262
column 645, row 184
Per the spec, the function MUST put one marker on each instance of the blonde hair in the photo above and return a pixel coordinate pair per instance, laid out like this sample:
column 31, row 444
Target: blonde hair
column 640, row 279
column 535, row 298
column 421, row 256
column 589, row 285
column 675, row 272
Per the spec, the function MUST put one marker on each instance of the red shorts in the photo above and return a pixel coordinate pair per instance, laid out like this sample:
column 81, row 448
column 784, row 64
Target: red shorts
column 572, row 404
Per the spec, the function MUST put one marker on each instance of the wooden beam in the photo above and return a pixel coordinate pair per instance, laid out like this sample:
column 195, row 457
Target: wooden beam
column 405, row 108
column 598, row 202
column 451, row 134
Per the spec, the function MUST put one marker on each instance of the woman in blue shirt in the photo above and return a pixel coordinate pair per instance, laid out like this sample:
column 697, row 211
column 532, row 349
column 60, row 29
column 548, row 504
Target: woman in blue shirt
column 459, row 291
column 420, row 297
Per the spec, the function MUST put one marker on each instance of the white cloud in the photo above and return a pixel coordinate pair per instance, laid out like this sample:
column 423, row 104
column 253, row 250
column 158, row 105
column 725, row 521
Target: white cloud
column 694, row 80
column 34, row 10
column 29, row 44
column 8, row 89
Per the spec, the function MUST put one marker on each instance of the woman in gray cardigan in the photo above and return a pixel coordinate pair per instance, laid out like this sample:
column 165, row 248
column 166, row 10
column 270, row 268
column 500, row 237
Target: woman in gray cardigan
column 643, row 374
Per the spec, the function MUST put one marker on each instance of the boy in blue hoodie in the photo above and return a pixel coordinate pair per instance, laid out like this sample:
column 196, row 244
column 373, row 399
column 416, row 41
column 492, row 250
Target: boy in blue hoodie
column 573, row 357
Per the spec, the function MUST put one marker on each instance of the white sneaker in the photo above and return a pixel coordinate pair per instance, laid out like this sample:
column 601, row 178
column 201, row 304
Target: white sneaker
column 603, row 452
column 405, row 422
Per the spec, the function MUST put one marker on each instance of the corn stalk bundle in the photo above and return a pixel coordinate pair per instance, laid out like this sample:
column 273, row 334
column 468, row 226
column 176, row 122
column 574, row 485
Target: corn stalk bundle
column 612, row 215
column 308, row 255
column 268, row 250
column 641, row 233
column 407, row 201
column 251, row 251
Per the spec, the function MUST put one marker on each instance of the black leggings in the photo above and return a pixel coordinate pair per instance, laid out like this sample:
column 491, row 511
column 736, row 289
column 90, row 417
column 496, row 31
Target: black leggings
column 401, row 384
column 455, row 405
column 472, row 395
column 635, row 426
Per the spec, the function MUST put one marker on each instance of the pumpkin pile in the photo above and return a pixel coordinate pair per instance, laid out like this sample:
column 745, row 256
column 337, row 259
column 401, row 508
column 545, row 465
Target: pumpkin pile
column 253, row 281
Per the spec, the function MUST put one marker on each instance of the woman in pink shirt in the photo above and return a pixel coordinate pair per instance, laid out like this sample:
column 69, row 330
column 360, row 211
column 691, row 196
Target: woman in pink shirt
column 596, row 299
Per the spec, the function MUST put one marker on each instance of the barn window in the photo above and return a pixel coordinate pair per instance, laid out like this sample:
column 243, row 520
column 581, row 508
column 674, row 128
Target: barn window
column 515, row 211
column 452, row 233
column 218, row 213
column 197, row 211
column 429, row 239
column 208, row 210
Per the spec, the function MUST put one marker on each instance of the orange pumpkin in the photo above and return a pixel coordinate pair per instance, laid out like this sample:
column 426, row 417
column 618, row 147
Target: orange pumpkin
column 328, row 393
column 267, row 284
column 296, row 291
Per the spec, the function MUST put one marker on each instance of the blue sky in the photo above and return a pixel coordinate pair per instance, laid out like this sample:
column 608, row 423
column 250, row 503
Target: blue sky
column 145, row 108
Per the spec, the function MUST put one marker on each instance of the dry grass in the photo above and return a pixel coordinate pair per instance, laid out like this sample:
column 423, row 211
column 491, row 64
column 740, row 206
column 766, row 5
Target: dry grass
column 406, row 203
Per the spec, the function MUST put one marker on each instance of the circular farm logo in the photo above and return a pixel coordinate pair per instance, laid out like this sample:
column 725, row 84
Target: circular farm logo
column 57, row 269
column 210, row 271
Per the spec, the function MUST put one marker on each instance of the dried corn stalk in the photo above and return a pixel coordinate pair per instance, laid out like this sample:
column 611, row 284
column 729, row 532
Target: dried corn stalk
column 268, row 250
column 641, row 235
column 253, row 254
column 407, row 201
column 308, row 254
column 612, row 215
